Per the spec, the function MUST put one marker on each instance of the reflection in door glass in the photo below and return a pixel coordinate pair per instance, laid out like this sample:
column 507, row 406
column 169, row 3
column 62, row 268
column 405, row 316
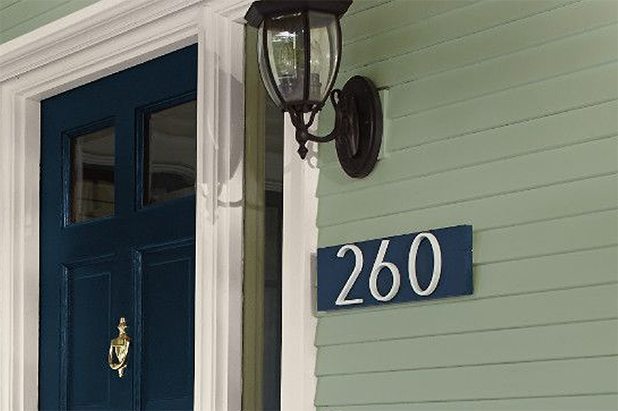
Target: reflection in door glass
column 92, row 175
column 169, row 153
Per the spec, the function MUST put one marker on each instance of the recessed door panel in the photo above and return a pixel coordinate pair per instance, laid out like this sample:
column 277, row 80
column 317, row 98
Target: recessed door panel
column 167, row 282
column 87, row 295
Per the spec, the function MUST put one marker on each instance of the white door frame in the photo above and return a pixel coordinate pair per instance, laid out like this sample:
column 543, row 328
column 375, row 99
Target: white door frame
column 96, row 41
column 299, row 280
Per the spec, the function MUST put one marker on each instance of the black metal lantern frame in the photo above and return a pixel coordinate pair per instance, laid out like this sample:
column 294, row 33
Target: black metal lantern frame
column 292, row 82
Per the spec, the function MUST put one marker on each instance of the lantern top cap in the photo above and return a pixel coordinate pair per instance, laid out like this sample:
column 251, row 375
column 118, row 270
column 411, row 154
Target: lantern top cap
column 265, row 8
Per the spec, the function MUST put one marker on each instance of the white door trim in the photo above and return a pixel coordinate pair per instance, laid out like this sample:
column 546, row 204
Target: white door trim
column 101, row 39
column 300, row 235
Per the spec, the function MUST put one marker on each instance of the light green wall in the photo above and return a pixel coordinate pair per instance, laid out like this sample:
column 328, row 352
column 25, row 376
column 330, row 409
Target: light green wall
column 18, row 17
column 503, row 115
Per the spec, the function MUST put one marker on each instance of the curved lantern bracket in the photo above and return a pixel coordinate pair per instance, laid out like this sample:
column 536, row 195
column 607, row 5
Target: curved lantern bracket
column 358, row 127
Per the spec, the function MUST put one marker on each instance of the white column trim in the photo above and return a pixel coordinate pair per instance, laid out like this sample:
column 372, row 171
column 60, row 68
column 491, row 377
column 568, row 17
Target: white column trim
column 101, row 39
column 218, row 379
column 300, row 233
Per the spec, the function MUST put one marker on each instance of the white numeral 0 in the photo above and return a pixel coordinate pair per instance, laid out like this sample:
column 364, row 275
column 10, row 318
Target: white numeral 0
column 378, row 265
column 437, row 264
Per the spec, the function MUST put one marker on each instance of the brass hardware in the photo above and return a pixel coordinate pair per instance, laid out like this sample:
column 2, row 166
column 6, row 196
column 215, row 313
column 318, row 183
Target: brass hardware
column 120, row 348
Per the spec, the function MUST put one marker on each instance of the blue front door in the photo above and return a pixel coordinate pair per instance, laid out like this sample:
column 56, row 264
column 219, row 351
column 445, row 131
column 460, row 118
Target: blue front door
column 118, row 173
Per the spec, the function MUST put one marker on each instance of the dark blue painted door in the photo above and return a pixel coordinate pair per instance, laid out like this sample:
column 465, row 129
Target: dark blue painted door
column 117, row 238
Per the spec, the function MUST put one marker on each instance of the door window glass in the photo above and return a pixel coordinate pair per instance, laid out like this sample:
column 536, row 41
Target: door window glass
column 169, row 153
column 92, row 175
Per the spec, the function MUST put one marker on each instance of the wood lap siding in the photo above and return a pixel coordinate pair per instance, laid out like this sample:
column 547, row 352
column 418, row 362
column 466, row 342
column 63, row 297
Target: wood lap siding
column 18, row 17
column 503, row 115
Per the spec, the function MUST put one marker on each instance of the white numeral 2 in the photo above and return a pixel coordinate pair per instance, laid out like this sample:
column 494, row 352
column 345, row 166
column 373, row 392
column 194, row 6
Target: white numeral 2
column 358, row 266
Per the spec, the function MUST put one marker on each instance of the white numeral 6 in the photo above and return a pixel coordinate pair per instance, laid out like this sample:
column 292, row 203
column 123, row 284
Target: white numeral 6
column 378, row 265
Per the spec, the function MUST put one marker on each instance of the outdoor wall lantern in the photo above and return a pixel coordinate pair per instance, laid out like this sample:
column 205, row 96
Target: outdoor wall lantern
column 299, row 51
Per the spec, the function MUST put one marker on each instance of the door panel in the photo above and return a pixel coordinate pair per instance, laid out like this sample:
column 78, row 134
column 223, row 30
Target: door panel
column 106, row 255
column 86, row 294
column 166, row 277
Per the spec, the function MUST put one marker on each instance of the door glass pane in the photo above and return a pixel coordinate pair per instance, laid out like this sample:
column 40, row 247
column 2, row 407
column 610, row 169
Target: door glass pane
column 92, row 175
column 170, row 153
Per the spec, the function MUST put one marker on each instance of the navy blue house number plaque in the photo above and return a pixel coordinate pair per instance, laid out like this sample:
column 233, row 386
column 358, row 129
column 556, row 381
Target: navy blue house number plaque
column 405, row 268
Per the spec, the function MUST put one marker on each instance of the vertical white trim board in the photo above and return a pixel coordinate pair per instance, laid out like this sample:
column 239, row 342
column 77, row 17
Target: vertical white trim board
column 300, row 234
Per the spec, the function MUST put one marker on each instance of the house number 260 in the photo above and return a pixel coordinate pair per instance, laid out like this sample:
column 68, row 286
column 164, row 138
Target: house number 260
column 380, row 264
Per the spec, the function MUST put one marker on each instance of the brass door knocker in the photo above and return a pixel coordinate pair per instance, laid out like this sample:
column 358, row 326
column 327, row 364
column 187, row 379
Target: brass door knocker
column 119, row 347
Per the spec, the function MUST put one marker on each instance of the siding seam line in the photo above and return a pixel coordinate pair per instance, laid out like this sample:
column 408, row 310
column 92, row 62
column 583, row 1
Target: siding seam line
column 459, row 300
column 482, row 331
column 475, row 164
column 550, row 219
column 581, row 70
column 18, row 23
column 465, row 200
column 9, row 5
column 482, row 61
column 334, row 164
column 531, row 256
column 480, row 364
column 586, row 394
column 374, row 6
column 413, row 23
column 505, row 23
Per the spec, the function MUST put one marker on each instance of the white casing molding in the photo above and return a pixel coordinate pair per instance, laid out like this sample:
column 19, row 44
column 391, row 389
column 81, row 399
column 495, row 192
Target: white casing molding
column 219, row 214
column 104, row 38
column 300, row 234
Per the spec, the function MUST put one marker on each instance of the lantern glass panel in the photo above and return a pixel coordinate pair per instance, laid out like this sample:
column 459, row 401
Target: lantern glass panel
column 286, row 55
column 263, row 64
column 324, row 57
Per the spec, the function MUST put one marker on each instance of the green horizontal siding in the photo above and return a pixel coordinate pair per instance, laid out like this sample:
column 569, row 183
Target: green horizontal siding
column 499, row 114
column 487, row 347
column 18, row 17
column 469, row 315
column 489, row 179
column 538, row 378
column 392, row 16
column 443, row 28
column 553, row 403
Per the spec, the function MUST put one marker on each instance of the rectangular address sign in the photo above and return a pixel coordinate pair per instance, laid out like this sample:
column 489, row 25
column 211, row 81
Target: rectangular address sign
column 404, row 268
